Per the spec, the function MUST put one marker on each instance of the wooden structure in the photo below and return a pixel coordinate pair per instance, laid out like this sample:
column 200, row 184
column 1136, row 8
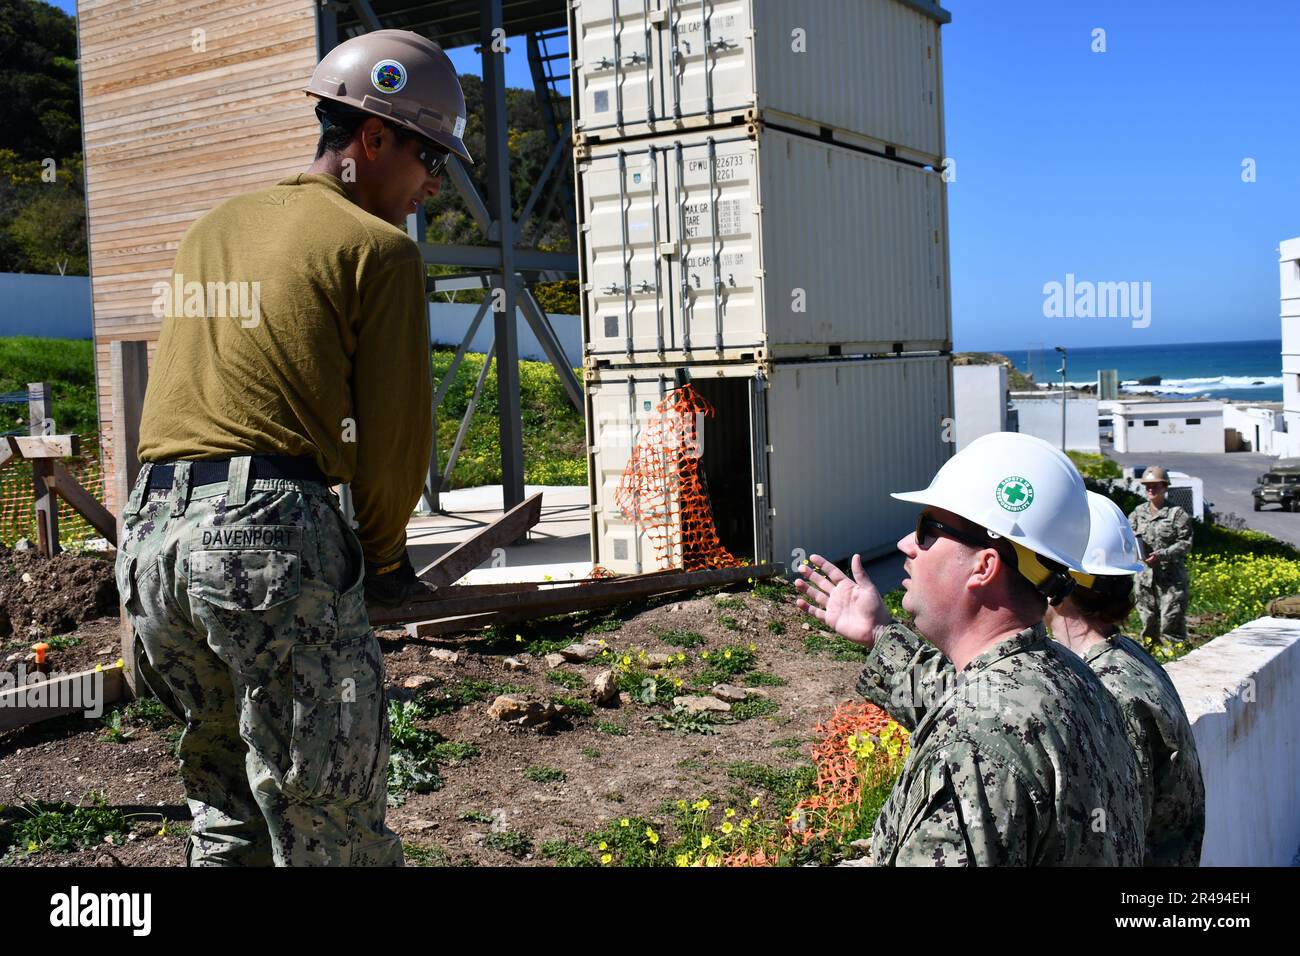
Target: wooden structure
column 186, row 103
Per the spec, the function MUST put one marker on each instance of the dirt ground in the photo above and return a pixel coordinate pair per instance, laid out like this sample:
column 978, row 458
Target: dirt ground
column 53, row 595
column 615, row 763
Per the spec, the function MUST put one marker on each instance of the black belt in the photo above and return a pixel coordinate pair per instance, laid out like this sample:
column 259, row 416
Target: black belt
column 259, row 466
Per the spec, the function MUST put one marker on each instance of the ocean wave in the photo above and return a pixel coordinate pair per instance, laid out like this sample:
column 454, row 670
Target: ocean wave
column 1197, row 386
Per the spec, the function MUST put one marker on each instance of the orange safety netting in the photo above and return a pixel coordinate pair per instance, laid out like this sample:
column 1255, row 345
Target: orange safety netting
column 18, row 497
column 663, row 489
column 840, row 775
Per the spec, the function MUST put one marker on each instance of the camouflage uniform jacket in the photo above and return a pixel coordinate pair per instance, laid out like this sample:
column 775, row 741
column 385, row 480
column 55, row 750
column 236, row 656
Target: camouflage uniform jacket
column 1020, row 759
column 1169, row 532
column 1173, row 793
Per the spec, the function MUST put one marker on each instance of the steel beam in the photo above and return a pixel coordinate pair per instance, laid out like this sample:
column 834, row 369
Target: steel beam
column 550, row 343
column 490, row 258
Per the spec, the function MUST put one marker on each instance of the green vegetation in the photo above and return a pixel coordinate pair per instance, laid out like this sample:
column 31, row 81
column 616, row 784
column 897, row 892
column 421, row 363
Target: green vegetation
column 730, row 623
column 682, row 721
column 554, row 432
column 545, row 775
column 68, row 365
column 34, row 826
column 611, row 728
column 416, row 754
column 566, row 854
column 679, row 637
column 578, row 707
column 752, row 707
column 839, row 648
column 1094, row 466
column 1017, row 381
column 730, row 603
column 566, row 679
column 788, row 785
column 775, row 626
column 508, row 841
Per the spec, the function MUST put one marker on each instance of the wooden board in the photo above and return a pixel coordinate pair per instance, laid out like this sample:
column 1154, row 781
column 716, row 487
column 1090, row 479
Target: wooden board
column 468, row 555
column 20, row 706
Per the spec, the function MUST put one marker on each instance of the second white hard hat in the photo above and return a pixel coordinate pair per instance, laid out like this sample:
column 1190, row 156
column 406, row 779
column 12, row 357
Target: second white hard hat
column 1020, row 487
column 1112, row 546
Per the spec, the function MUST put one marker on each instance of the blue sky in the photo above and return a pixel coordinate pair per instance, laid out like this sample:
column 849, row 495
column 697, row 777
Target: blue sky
column 1115, row 166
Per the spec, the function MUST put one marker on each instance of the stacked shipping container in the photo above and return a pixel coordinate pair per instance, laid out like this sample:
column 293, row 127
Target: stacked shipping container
column 762, row 206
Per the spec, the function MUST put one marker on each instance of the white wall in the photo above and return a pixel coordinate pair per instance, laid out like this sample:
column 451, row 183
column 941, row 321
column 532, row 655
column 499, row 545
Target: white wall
column 979, row 401
column 1289, row 275
column 1171, row 431
column 1242, row 696
column 52, row 307
column 449, row 321
column 1251, row 421
column 1041, row 417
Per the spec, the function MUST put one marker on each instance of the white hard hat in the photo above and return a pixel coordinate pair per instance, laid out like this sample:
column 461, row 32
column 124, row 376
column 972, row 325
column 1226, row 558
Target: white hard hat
column 1112, row 546
column 1019, row 487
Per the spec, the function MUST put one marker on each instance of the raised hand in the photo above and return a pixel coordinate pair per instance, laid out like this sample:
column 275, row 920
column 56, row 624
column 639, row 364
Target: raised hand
column 852, row 607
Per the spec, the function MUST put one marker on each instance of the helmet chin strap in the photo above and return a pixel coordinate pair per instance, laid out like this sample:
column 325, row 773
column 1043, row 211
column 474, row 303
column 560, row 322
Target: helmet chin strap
column 1055, row 585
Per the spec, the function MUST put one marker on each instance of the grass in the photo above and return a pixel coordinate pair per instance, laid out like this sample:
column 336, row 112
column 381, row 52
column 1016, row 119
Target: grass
column 508, row 841
column 611, row 728
column 554, row 433
column 68, row 365
column 566, row 679
column 579, row 708
column 730, row 603
column 840, row 649
column 682, row 721
column 788, row 785
column 776, row 590
column 752, row 707
column 63, row 643
column 474, row 816
column 35, row 826
column 764, row 679
column 566, row 854
column 416, row 753
column 121, row 723
column 679, row 637
column 460, row 694
column 420, row 855
column 591, row 753
column 721, row 666
column 545, row 775
column 730, row 623
column 775, row 626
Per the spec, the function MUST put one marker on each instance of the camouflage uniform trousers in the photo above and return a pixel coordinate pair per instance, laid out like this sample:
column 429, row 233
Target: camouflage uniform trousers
column 1161, row 596
column 248, row 600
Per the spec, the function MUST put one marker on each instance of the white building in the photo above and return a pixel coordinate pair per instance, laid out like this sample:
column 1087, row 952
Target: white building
column 1251, row 428
column 1142, row 427
column 979, row 405
column 1288, row 444
column 1039, row 414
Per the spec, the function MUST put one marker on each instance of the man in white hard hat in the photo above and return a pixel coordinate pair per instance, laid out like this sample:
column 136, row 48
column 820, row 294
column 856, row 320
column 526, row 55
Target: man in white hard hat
column 1023, row 760
column 1088, row 622
column 241, row 577
column 1164, row 532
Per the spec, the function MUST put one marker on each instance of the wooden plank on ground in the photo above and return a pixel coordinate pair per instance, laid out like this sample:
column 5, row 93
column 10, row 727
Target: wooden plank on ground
column 83, row 692
column 75, row 494
column 450, row 625
column 40, row 412
column 578, row 597
column 468, row 555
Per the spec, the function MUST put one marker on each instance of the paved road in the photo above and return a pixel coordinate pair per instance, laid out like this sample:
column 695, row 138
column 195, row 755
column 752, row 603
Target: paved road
column 1228, row 480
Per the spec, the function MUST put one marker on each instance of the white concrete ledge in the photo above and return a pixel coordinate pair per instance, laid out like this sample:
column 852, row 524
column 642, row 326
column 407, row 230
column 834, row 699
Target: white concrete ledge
column 1242, row 696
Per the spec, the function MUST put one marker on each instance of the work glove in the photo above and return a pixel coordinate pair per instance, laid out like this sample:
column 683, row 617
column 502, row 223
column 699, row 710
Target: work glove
column 393, row 584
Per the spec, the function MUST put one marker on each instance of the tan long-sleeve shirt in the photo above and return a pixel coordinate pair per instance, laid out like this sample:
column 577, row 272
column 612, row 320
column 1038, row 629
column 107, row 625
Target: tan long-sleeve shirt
column 296, row 323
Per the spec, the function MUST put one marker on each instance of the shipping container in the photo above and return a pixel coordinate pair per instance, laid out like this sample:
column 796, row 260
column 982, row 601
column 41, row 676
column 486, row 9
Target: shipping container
column 767, row 245
column 797, row 457
column 870, row 68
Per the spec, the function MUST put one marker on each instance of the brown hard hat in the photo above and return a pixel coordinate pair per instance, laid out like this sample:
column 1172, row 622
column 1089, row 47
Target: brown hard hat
column 399, row 76
column 1154, row 475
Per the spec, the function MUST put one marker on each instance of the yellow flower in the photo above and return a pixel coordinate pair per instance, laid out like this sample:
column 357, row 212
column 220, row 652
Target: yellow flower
column 711, row 860
column 681, row 656
column 519, row 638
column 601, row 643
column 624, row 822
column 753, row 647
column 678, row 682
column 700, row 805
column 727, row 654
column 651, row 835
column 706, row 842
column 727, row 827
column 681, row 804
column 603, row 845
column 627, row 661
column 605, row 858
column 744, row 824
column 729, row 813
column 705, row 655
column 683, row 859
column 33, row 846
column 754, row 802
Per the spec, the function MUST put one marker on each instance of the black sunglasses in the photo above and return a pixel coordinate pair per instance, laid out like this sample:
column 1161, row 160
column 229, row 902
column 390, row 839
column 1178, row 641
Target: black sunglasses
column 929, row 529
column 433, row 158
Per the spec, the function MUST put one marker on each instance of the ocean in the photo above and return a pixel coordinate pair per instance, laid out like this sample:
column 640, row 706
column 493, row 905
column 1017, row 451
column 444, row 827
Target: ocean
column 1236, row 371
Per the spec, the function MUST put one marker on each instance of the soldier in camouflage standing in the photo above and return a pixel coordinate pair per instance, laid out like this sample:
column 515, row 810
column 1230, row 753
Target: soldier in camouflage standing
column 242, row 579
column 1018, row 754
column 1164, row 532
column 1088, row 622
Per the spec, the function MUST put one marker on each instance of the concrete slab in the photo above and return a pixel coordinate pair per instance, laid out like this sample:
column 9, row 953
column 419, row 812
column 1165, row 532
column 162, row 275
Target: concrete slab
column 559, row 546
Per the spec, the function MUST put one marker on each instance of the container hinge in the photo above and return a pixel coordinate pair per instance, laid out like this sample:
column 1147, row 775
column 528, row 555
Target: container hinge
column 722, row 44
column 604, row 63
column 667, row 250
column 758, row 490
column 613, row 289
column 646, row 287
column 634, row 58
column 769, row 449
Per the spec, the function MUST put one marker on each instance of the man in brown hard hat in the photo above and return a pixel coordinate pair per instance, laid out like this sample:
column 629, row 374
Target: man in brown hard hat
column 1164, row 533
column 294, row 355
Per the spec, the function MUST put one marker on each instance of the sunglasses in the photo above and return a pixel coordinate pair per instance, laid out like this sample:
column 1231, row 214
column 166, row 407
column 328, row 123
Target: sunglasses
column 928, row 531
column 432, row 158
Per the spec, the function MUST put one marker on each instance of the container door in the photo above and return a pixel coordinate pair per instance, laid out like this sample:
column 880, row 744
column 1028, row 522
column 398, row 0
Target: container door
column 626, row 296
column 708, row 55
column 616, row 44
column 712, row 229
column 758, row 444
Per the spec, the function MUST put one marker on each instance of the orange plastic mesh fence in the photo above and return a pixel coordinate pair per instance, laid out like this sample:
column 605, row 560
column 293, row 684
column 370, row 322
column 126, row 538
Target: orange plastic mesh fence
column 663, row 490
column 18, row 498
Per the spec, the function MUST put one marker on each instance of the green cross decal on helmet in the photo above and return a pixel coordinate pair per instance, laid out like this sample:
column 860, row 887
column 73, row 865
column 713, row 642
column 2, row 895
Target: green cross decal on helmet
column 1015, row 493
